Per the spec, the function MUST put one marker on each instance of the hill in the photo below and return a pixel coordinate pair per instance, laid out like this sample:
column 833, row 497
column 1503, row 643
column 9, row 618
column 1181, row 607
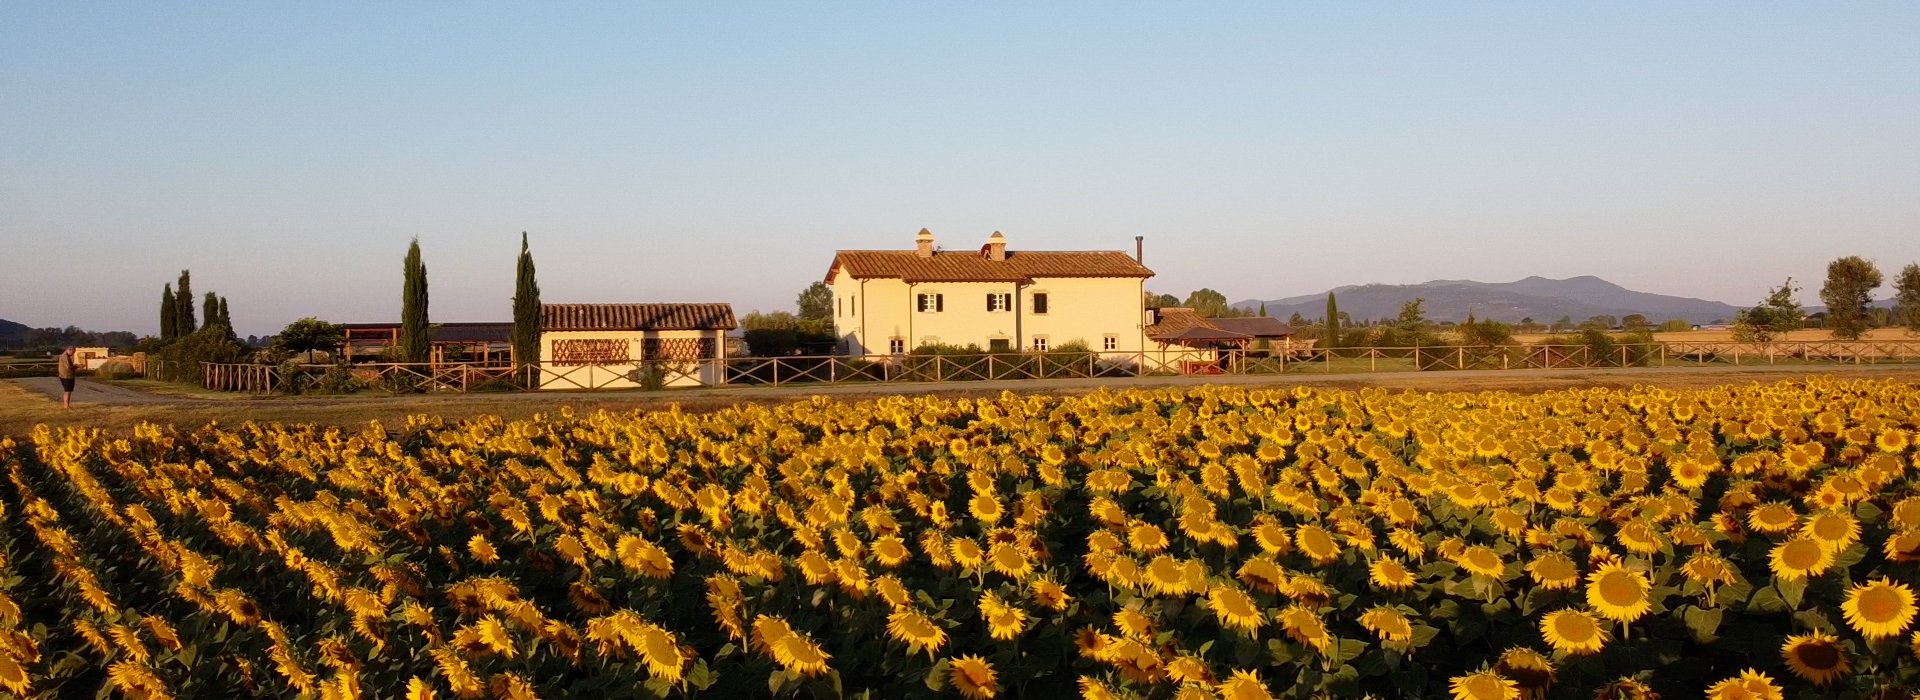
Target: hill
column 12, row 335
column 1541, row 299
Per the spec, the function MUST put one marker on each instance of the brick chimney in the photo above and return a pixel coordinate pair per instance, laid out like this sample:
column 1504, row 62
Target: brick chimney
column 996, row 249
column 923, row 244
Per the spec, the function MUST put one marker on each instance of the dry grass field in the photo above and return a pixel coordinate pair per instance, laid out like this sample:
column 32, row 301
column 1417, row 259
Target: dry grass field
column 1726, row 335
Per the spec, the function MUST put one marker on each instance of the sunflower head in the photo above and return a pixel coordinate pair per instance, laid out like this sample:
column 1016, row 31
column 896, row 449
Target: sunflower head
column 1816, row 657
column 1879, row 609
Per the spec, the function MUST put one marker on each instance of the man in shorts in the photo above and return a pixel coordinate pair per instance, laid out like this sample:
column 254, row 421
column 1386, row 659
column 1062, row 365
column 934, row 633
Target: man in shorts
column 64, row 370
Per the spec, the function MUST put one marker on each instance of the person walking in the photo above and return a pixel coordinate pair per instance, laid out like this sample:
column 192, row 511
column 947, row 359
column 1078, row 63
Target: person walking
column 64, row 369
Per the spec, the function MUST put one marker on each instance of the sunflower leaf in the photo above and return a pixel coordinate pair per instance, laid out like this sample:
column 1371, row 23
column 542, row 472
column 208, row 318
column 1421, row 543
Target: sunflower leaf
column 1703, row 623
column 1791, row 591
column 1766, row 600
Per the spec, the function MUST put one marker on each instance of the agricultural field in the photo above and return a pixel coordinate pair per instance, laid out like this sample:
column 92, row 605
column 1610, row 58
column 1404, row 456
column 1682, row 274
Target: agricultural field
column 1758, row 541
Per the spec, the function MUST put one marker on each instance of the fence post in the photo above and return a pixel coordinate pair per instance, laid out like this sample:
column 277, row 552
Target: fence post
column 1373, row 359
column 1416, row 359
column 1623, row 356
column 776, row 371
column 990, row 374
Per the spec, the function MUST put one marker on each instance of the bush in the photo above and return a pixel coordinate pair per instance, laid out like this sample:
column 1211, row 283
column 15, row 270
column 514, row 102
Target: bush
column 179, row 361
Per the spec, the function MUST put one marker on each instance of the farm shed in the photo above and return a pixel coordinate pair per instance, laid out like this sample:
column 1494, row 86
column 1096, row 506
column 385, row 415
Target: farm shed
column 611, row 345
column 485, row 343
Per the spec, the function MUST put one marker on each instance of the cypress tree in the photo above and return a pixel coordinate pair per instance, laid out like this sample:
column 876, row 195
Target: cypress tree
column 414, row 339
column 1332, row 334
column 226, row 317
column 210, row 309
column 526, row 307
column 183, row 322
column 169, row 316
column 1263, row 309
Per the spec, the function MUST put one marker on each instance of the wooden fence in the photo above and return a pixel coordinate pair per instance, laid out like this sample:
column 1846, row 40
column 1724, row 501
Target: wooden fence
column 27, row 368
column 892, row 369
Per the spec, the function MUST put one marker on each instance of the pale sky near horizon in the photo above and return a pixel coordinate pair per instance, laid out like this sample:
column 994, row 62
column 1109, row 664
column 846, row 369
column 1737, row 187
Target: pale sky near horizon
column 287, row 153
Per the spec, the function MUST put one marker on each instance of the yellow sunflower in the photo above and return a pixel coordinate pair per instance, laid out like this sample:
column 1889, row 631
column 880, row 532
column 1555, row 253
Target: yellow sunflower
column 1800, row 557
column 1749, row 685
column 1483, row 685
column 1879, row 609
column 1554, row 571
column 1389, row 625
column 1235, row 609
column 1816, row 657
column 916, row 631
column 1619, row 593
column 1303, row 626
column 1480, row 560
column 1833, row 529
column 973, row 677
column 1318, row 544
column 1773, row 518
column 1530, row 671
column 1049, row 594
column 1004, row 621
column 1389, row 574
column 1573, row 632
column 1244, row 685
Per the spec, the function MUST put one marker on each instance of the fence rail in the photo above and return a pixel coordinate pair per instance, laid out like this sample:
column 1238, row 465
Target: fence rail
column 892, row 369
column 27, row 368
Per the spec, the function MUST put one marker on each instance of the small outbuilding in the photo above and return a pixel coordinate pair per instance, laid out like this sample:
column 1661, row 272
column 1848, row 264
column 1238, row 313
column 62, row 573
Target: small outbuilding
column 597, row 346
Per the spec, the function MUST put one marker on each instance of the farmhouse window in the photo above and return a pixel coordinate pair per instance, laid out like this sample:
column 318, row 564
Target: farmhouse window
column 932, row 303
column 999, row 302
column 1110, row 343
column 1039, row 302
column 999, row 345
column 897, row 346
column 1039, row 343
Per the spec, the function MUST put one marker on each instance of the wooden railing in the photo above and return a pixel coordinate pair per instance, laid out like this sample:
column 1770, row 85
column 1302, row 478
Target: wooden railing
column 27, row 368
column 891, row 369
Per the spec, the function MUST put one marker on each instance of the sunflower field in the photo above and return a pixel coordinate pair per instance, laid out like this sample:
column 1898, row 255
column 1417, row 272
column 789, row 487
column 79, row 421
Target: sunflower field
column 1739, row 542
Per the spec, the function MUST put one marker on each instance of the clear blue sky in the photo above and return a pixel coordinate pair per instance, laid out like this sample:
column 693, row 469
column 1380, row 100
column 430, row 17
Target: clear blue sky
column 286, row 153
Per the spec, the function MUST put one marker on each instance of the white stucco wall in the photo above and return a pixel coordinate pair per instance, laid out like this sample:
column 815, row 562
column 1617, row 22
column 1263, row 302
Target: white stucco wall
column 701, row 372
column 869, row 313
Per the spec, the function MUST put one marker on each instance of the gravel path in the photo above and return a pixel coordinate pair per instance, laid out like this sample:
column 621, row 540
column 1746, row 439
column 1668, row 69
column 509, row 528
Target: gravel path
column 88, row 391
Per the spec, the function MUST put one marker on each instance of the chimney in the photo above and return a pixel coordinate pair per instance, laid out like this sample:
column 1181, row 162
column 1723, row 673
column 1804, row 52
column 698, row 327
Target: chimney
column 996, row 249
column 1139, row 249
column 923, row 244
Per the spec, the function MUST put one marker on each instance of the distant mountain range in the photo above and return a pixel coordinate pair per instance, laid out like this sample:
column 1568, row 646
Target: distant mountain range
column 1541, row 299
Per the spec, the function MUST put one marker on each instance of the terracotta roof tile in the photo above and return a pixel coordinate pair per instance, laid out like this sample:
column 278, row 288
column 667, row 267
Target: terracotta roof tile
column 636, row 317
column 1177, row 320
column 971, row 266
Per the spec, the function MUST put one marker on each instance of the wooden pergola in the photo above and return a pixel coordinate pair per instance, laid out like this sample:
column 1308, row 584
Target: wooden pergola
column 488, row 344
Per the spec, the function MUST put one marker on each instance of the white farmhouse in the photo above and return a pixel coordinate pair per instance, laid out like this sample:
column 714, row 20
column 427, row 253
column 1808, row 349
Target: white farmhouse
column 888, row 302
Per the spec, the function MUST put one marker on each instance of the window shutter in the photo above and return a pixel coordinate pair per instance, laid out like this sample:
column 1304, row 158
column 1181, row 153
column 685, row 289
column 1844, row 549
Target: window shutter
column 939, row 302
column 1040, row 303
column 990, row 302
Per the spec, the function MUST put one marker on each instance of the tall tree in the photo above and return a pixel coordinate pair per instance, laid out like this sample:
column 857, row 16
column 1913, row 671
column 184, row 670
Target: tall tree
column 169, row 314
column 415, row 343
column 310, row 334
column 1413, row 316
column 1208, row 303
column 1774, row 316
column 226, row 317
column 183, row 322
column 1263, row 309
column 816, row 302
column 1330, row 337
column 526, row 307
column 1906, row 297
column 210, row 309
column 1849, row 289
